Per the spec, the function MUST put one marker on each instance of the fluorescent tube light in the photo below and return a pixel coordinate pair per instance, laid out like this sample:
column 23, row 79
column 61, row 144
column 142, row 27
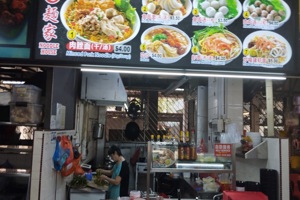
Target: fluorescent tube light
column 249, row 76
column 124, row 71
column 187, row 73
column 201, row 165
column 13, row 82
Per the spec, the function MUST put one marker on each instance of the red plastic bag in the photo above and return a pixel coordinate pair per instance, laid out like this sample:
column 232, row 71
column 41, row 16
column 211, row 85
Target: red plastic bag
column 71, row 167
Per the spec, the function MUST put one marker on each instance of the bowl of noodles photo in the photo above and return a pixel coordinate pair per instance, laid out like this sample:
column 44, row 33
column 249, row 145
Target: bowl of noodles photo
column 101, row 21
column 269, row 46
column 219, row 11
column 163, row 158
column 274, row 12
column 165, row 44
column 218, row 42
column 173, row 11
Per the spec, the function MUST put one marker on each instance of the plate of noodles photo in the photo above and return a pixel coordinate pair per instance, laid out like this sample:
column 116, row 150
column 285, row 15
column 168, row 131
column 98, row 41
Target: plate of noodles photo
column 267, row 45
column 217, row 41
column 103, row 21
column 166, row 44
column 163, row 158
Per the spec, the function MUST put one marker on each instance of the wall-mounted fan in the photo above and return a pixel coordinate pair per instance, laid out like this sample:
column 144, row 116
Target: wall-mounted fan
column 134, row 109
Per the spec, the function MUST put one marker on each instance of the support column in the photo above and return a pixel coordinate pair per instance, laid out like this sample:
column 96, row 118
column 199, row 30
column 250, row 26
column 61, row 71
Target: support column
column 270, row 111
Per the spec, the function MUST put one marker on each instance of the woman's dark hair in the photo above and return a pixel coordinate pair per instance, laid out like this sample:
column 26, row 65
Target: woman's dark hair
column 114, row 149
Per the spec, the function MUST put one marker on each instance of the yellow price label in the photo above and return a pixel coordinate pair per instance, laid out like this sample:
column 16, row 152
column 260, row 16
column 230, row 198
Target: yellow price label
column 143, row 47
column 195, row 11
column 195, row 49
column 71, row 34
column 144, row 9
column 246, row 52
column 246, row 14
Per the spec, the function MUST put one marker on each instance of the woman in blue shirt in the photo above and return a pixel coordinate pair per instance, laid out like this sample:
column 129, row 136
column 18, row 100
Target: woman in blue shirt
column 118, row 176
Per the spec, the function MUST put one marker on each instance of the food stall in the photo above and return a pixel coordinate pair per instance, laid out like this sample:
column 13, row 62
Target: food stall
column 150, row 36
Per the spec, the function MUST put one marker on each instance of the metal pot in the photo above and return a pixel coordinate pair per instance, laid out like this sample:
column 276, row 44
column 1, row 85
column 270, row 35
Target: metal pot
column 98, row 131
column 132, row 130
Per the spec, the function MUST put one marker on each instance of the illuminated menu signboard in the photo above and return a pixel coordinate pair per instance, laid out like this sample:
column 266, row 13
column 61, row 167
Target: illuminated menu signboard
column 16, row 19
column 250, row 35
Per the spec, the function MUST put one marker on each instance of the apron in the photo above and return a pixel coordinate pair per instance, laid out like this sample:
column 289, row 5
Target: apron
column 114, row 190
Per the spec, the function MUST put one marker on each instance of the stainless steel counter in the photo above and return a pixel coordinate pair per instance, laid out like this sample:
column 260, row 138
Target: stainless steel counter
column 14, row 183
column 22, row 149
column 15, row 172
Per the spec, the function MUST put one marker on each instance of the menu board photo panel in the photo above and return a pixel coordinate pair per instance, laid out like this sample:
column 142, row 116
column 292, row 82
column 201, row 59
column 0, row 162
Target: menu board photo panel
column 250, row 35
column 16, row 20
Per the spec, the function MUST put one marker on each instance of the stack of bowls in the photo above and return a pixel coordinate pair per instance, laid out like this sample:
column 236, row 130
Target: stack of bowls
column 255, row 137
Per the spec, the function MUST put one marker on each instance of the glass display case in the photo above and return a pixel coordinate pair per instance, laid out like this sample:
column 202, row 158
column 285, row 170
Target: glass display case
column 165, row 157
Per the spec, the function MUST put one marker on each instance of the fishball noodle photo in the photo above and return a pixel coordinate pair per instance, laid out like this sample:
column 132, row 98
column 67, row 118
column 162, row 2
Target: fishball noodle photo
column 169, row 42
column 168, row 8
column 102, row 21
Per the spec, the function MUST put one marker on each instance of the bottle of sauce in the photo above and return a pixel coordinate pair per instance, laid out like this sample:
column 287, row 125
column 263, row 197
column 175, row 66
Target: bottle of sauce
column 193, row 146
column 187, row 152
column 180, row 147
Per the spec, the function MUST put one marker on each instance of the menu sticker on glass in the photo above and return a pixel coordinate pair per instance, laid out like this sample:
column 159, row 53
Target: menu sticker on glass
column 168, row 12
column 265, row 14
column 223, row 150
column 266, row 49
column 212, row 13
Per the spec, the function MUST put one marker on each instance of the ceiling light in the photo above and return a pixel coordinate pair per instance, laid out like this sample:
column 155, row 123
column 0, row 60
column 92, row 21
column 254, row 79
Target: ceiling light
column 124, row 71
column 186, row 72
column 249, row 76
column 13, row 82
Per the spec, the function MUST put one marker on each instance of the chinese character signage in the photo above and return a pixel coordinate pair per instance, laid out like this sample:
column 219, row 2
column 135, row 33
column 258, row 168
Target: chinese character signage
column 223, row 150
column 231, row 35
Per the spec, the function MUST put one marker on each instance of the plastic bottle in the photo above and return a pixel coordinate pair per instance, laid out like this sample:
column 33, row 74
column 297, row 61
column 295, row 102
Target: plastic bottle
column 203, row 148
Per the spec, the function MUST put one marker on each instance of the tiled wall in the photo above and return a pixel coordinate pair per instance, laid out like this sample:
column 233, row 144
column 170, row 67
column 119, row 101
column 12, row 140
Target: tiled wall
column 46, row 182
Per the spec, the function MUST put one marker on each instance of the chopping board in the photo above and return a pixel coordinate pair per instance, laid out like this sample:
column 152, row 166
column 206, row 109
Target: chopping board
column 94, row 185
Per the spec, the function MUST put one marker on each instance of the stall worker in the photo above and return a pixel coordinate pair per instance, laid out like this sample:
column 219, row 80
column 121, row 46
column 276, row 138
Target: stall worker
column 118, row 176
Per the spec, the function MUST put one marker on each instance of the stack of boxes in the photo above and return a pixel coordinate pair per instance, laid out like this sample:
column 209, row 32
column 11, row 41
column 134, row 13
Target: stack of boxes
column 25, row 105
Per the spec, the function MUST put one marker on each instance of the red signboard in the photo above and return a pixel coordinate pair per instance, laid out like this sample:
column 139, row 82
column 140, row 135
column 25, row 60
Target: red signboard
column 223, row 150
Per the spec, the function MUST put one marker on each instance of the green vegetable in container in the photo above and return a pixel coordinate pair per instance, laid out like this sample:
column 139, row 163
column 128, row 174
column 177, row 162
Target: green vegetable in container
column 159, row 37
column 78, row 181
column 125, row 6
column 206, row 32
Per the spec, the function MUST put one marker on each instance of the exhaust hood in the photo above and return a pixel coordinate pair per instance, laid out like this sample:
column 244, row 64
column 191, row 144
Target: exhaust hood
column 103, row 89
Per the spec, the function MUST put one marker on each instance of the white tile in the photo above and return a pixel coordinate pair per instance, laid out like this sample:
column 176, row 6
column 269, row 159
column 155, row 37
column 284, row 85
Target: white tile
column 34, row 190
